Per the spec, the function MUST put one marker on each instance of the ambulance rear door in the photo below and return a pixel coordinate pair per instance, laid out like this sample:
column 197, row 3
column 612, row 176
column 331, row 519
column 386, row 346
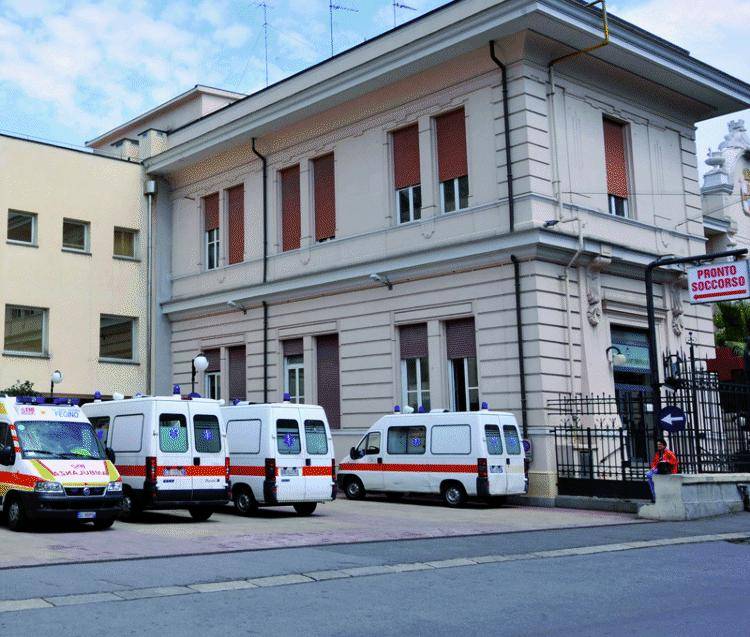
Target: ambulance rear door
column 318, row 454
column 515, row 476
column 492, row 439
column 174, row 451
column 208, row 451
column 287, row 444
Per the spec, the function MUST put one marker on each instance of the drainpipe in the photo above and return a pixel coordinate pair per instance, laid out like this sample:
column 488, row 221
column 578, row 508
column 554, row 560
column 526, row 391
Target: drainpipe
column 519, row 337
column 506, row 126
column 264, row 163
column 568, row 313
column 149, row 189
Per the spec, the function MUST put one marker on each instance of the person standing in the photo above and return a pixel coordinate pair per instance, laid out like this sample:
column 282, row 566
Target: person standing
column 663, row 462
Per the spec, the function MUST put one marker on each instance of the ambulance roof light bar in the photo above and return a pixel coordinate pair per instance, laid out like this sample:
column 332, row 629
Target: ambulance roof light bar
column 30, row 400
column 485, row 406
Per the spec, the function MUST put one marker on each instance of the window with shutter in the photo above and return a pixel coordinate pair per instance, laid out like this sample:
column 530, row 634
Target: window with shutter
column 453, row 171
column 406, row 177
column 462, row 356
column 237, row 372
column 236, row 223
column 211, row 230
column 415, row 372
column 329, row 392
column 212, row 375
column 325, row 198
column 617, row 168
column 291, row 228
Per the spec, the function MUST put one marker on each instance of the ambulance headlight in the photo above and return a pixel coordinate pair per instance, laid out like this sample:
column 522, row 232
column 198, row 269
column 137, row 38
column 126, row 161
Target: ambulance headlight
column 49, row 487
column 114, row 487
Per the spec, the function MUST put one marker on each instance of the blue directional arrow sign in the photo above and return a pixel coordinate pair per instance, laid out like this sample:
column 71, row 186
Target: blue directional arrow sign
column 671, row 418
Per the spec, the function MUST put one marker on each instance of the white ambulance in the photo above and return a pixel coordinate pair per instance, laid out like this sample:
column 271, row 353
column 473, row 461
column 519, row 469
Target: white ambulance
column 281, row 454
column 53, row 466
column 171, row 452
column 454, row 454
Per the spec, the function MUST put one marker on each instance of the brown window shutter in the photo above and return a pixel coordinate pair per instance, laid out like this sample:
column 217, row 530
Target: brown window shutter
column 406, row 157
column 214, row 359
column 451, row 145
column 237, row 372
column 292, row 347
column 211, row 211
column 413, row 340
column 236, row 223
column 325, row 197
column 460, row 338
column 614, row 155
column 329, row 392
column 291, row 221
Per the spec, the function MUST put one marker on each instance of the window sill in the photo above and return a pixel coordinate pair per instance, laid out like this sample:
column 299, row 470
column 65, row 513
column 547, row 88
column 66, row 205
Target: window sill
column 121, row 257
column 119, row 361
column 12, row 242
column 74, row 251
column 25, row 355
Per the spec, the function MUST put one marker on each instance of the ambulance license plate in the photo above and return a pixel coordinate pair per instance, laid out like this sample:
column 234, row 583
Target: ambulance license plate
column 86, row 515
column 289, row 471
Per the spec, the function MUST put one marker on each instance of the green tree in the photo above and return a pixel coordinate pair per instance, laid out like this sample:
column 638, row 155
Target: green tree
column 25, row 388
column 732, row 322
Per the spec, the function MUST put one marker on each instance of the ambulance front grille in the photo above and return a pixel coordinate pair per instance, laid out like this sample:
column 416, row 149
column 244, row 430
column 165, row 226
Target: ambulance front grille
column 79, row 491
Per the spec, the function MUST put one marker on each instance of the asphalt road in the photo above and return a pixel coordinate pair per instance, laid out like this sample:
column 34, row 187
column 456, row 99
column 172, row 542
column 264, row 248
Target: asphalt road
column 655, row 578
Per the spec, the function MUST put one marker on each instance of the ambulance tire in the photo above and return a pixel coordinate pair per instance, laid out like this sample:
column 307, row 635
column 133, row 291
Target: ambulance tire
column 454, row 494
column 200, row 514
column 305, row 508
column 131, row 507
column 354, row 489
column 104, row 524
column 244, row 500
column 15, row 514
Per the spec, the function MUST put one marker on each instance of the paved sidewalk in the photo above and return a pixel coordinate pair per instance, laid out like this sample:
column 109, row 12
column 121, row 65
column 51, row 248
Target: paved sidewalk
column 342, row 521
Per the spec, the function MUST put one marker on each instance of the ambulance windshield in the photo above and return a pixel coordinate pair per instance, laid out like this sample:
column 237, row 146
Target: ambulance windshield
column 55, row 439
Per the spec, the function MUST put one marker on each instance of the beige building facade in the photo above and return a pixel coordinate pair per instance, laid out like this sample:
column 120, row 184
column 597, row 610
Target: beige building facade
column 73, row 291
column 349, row 236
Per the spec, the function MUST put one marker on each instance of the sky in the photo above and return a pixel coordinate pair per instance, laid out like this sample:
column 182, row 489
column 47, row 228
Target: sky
column 73, row 69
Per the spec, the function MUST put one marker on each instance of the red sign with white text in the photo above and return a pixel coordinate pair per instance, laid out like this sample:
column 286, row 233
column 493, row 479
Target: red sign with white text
column 719, row 282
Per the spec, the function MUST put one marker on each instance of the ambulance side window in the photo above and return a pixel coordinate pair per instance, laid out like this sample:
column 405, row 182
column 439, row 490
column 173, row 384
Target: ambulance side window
column 4, row 437
column 315, row 438
column 101, row 427
column 287, row 437
column 370, row 444
column 512, row 440
column 127, row 433
column 207, row 434
column 407, row 440
column 494, row 441
column 173, row 436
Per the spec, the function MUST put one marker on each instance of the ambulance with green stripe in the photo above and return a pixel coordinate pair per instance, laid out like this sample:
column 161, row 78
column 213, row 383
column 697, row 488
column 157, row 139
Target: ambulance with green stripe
column 53, row 466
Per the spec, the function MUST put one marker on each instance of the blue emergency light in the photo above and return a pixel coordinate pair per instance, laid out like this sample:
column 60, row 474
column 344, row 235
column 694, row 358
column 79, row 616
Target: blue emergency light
column 176, row 390
column 194, row 394
column 97, row 395
column 396, row 409
column 235, row 401
column 30, row 400
column 287, row 396
column 421, row 409
column 485, row 406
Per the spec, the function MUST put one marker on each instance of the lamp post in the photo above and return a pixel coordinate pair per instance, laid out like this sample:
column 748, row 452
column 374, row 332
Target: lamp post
column 198, row 364
column 57, row 377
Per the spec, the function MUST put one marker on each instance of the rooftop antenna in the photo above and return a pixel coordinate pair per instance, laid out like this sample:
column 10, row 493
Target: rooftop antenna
column 264, row 6
column 396, row 6
column 336, row 7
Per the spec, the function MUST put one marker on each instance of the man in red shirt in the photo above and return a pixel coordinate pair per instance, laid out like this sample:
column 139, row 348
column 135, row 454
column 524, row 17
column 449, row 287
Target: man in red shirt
column 664, row 461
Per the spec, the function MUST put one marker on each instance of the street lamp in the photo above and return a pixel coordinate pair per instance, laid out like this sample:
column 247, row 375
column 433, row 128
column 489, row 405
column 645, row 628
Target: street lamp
column 199, row 364
column 56, row 378
column 618, row 358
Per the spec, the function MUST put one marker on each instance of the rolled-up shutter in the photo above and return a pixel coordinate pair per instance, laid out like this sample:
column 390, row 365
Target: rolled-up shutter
column 292, row 347
column 237, row 372
column 460, row 338
column 211, row 211
column 406, row 157
column 236, row 223
column 325, row 198
column 214, row 360
column 413, row 340
column 291, row 221
column 451, row 145
column 614, row 156
column 329, row 391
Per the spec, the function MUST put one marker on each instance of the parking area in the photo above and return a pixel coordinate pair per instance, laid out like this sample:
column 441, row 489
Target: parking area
column 175, row 533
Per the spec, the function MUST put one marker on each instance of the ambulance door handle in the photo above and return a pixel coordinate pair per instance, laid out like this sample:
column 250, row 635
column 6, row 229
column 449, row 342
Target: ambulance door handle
column 308, row 462
column 197, row 462
column 507, row 461
column 380, row 461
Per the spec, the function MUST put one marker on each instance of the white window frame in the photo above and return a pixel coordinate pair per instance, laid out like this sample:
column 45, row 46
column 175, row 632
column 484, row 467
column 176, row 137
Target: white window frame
column 295, row 368
column 23, row 213
column 45, row 332
column 136, row 235
column 421, row 393
column 456, row 190
column 86, row 236
column 212, row 381
column 410, row 191
column 133, row 340
column 467, row 387
column 612, row 199
column 213, row 245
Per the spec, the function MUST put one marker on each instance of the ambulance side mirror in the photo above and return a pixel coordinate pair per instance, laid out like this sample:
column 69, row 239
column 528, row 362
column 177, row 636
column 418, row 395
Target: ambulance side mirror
column 7, row 456
column 110, row 454
column 354, row 454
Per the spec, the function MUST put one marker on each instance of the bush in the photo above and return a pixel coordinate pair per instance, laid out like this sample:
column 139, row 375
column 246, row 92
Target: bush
column 25, row 388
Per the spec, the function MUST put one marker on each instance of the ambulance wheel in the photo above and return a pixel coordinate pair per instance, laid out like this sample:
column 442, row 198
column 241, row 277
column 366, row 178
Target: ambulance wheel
column 103, row 524
column 305, row 508
column 354, row 489
column 200, row 514
column 244, row 500
column 15, row 514
column 131, row 507
column 454, row 494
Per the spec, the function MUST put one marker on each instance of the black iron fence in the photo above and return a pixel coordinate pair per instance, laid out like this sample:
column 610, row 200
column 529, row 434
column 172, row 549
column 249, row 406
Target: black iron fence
column 604, row 443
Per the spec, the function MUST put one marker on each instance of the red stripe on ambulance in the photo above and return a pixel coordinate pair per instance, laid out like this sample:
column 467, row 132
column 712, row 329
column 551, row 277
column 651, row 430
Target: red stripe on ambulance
column 430, row 468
